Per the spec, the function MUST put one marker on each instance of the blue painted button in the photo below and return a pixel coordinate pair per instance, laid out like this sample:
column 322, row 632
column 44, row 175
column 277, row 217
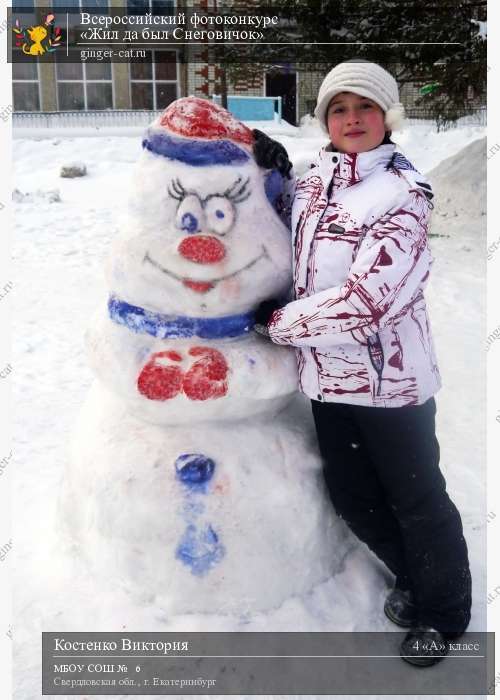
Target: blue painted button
column 194, row 468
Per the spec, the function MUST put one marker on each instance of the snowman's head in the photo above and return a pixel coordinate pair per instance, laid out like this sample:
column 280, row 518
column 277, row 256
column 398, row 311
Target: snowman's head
column 203, row 236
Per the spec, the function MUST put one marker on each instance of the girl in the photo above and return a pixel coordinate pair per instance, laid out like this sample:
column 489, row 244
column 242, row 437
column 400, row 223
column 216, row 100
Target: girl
column 365, row 351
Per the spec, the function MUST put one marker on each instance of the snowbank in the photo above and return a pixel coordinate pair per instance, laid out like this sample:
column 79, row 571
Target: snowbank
column 459, row 183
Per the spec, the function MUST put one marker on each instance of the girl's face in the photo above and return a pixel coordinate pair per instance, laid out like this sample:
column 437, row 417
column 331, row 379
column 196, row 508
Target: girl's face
column 355, row 123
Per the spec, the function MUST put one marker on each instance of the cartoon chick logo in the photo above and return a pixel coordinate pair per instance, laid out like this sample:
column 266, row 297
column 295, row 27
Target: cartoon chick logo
column 39, row 39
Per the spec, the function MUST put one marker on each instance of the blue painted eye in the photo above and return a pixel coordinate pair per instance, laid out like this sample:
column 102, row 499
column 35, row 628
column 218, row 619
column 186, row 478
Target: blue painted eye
column 220, row 214
column 190, row 217
column 189, row 223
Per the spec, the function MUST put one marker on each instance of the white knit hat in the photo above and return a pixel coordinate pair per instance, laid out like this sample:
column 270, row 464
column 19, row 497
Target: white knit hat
column 365, row 79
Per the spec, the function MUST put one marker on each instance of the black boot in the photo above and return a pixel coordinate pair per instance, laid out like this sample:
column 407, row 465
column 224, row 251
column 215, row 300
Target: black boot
column 400, row 608
column 423, row 646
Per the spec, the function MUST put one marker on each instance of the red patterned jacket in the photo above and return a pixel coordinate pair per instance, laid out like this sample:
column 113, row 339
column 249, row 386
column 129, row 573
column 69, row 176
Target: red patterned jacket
column 361, row 262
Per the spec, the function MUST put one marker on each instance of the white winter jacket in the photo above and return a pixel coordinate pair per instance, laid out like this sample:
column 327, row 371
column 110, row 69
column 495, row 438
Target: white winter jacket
column 361, row 262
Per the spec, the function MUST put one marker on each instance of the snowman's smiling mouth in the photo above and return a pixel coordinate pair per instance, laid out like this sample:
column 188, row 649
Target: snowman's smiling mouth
column 203, row 286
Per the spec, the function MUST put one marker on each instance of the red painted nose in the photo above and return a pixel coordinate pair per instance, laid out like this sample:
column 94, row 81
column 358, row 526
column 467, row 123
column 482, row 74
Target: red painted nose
column 202, row 249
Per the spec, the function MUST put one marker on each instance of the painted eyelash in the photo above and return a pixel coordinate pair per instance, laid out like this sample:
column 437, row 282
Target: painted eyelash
column 178, row 190
column 238, row 192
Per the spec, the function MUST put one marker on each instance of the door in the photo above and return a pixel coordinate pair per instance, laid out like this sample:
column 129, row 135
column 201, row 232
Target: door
column 283, row 83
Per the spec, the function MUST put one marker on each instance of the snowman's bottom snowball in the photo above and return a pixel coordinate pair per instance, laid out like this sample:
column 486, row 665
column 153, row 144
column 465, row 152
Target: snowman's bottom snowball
column 201, row 518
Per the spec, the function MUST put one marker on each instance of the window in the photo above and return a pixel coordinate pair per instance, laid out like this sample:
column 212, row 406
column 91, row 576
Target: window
column 25, row 87
column 156, row 7
column 84, row 86
column 154, row 85
column 94, row 6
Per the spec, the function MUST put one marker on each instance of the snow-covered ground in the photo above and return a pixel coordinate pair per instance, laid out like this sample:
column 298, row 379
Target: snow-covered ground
column 60, row 247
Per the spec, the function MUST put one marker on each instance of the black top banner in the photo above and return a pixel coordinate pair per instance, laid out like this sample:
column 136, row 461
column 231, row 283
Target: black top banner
column 237, row 32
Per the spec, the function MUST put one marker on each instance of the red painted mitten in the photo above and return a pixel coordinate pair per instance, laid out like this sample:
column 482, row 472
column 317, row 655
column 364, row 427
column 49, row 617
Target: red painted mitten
column 207, row 377
column 158, row 380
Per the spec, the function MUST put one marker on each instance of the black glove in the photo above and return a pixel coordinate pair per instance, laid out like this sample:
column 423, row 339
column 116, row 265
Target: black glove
column 263, row 315
column 270, row 154
column 265, row 310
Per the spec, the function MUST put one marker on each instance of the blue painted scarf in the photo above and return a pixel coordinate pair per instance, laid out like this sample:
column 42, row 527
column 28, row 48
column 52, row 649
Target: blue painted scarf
column 162, row 326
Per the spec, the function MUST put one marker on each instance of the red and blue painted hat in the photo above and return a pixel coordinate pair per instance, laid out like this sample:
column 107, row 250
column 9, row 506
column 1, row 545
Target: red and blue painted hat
column 198, row 132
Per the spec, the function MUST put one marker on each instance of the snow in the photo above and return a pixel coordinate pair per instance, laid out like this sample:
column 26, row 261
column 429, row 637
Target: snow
column 60, row 249
column 460, row 183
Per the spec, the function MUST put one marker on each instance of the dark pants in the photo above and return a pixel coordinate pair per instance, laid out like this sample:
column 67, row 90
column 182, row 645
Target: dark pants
column 382, row 470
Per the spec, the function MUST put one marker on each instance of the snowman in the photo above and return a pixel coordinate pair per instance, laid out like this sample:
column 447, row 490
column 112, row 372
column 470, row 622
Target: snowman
column 195, row 480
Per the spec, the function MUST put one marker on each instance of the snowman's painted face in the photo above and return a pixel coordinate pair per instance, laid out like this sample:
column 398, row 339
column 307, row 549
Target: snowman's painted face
column 206, row 220
column 206, row 240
